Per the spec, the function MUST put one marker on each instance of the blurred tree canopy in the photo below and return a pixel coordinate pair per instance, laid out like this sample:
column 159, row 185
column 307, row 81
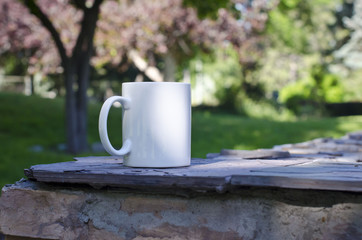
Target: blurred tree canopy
column 254, row 50
column 66, row 36
column 303, row 37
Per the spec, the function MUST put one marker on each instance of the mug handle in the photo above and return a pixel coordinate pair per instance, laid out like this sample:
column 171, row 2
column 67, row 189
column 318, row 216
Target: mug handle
column 102, row 126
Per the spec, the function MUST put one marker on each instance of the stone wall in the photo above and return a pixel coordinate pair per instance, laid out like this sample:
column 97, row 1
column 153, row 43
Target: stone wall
column 47, row 211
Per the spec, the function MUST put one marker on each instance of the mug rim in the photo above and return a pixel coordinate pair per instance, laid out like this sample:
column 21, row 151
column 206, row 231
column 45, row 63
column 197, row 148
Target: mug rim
column 153, row 83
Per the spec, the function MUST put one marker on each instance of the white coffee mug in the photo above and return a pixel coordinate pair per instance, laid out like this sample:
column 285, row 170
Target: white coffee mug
column 156, row 124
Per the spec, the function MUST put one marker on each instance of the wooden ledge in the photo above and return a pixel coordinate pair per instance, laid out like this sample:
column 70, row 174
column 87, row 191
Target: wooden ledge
column 319, row 170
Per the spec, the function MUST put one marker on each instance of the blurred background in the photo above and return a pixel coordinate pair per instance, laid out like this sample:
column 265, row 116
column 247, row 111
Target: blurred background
column 262, row 72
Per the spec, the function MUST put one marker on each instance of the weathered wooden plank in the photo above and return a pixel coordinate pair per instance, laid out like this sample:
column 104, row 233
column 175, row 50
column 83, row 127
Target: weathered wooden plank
column 298, row 180
column 324, row 163
column 255, row 154
column 293, row 182
column 355, row 135
column 211, row 175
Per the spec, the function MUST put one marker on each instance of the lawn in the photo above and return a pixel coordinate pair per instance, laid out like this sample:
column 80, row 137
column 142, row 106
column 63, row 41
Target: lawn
column 32, row 128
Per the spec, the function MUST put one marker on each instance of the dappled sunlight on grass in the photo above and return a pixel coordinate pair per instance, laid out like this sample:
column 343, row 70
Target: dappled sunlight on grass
column 348, row 124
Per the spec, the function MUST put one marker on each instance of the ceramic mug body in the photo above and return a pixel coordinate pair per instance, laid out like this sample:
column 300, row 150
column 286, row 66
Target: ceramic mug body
column 156, row 124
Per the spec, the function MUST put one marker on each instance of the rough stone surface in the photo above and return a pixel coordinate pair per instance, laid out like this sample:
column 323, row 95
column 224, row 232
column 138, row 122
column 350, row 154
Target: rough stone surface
column 37, row 210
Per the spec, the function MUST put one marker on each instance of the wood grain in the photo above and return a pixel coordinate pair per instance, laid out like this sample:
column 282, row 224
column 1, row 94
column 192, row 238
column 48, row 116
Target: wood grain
column 220, row 174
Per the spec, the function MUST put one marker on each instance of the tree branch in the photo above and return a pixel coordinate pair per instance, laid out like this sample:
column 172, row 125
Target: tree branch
column 97, row 3
column 79, row 4
column 85, row 38
column 36, row 11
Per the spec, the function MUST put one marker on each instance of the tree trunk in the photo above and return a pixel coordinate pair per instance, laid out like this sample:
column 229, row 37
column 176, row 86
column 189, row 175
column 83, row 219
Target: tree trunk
column 70, row 111
column 76, row 79
column 81, row 69
column 82, row 102
column 76, row 70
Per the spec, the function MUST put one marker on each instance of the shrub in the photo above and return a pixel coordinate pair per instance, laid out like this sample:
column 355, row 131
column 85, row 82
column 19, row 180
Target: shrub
column 307, row 96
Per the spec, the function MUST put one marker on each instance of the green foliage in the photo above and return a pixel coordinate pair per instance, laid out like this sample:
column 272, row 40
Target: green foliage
column 331, row 88
column 306, row 95
column 217, row 77
column 226, row 73
column 285, row 26
column 353, row 86
column 233, row 93
column 222, row 69
column 283, row 30
column 298, row 96
column 13, row 64
column 302, row 26
column 207, row 8
column 303, row 34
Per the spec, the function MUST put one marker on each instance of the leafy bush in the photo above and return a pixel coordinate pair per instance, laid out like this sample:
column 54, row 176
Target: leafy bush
column 263, row 109
column 307, row 96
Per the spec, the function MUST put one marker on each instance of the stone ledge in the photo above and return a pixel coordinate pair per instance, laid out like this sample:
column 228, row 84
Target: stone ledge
column 36, row 210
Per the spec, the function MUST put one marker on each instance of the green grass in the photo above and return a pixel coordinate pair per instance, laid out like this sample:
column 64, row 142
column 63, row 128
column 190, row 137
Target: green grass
column 28, row 121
